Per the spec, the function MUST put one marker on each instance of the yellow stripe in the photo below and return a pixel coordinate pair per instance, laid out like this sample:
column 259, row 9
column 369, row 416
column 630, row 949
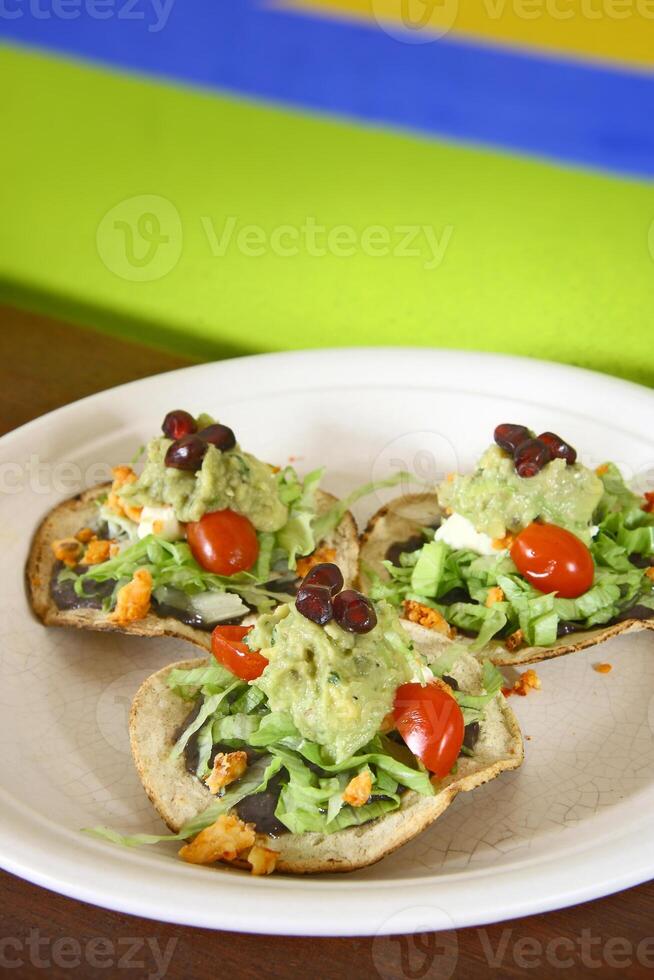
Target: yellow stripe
column 617, row 30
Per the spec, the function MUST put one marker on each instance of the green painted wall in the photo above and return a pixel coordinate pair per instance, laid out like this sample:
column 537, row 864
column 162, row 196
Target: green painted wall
column 118, row 194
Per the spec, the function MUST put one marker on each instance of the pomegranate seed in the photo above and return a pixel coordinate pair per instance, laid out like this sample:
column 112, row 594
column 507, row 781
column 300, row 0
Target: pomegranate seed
column 315, row 603
column 509, row 437
column 327, row 574
column 530, row 457
column 353, row 612
column 178, row 424
column 558, row 447
column 220, row 436
column 186, row 453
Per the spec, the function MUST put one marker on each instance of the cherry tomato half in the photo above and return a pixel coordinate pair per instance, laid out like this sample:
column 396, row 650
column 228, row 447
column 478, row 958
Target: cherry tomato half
column 431, row 723
column 231, row 652
column 223, row 542
column 553, row 560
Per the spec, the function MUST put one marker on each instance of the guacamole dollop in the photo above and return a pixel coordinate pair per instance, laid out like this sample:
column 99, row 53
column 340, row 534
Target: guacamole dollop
column 232, row 479
column 336, row 686
column 496, row 500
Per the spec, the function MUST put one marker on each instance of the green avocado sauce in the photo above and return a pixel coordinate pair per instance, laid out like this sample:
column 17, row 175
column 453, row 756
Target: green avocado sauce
column 336, row 686
column 496, row 500
column 232, row 479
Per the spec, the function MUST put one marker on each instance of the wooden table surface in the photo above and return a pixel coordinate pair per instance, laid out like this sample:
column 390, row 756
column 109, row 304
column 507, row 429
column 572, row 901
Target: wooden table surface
column 44, row 364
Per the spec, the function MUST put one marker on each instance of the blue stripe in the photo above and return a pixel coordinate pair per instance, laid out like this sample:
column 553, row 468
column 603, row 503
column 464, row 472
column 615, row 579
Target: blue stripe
column 579, row 113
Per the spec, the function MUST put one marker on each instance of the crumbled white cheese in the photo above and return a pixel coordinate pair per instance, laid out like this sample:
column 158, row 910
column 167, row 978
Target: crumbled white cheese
column 461, row 535
column 160, row 521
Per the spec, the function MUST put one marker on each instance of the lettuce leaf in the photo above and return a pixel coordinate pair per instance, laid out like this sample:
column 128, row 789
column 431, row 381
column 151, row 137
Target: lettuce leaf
column 428, row 569
column 171, row 563
column 326, row 522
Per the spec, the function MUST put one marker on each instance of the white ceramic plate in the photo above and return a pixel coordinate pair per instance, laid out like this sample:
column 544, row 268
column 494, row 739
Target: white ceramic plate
column 575, row 822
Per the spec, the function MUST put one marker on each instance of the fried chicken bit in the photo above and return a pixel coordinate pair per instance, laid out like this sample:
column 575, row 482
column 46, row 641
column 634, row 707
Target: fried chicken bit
column 262, row 859
column 85, row 535
column 494, row 595
column 305, row 565
column 388, row 723
column 601, row 470
column 514, row 641
column 67, row 550
column 227, row 768
column 357, row 792
column 444, row 686
column 223, row 840
column 416, row 612
column 500, row 544
column 529, row 681
column 122, row 475
column 649, row 572
column 133, row 600
column 96, row 552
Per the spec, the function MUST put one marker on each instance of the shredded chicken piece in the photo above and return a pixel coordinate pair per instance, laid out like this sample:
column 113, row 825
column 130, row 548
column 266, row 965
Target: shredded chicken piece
column 503, row 543
column 416, row 612
column 305, row 565
column 224, row 840
column 96, row 552
column 133, row 600
column 67, row 550
column 357, row 791
column 495, row 594
column 514, row 640
column 114, row 549
column 263, row 860
column 444, row 686
column 388, row 723
column 603, row 668
column 529, row 681
column 85, row 535
column 122, row 475
column 227, row 767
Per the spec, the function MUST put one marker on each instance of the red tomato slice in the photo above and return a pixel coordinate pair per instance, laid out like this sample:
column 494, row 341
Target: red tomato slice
column 431, row 723
column 232, row 653
column 223, row 542
column 553, row 560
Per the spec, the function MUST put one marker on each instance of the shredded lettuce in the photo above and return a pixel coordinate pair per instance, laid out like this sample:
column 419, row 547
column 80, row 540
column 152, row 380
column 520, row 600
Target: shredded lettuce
column 326, row 522
column 428, row 569
column 429, row 574
column 171, row 563
column 210, row 678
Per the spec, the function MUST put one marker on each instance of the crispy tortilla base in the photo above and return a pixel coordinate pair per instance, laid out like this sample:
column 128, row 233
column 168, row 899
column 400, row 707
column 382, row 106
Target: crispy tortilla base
column 404, row 516
column 69, row 517
column 177, row 795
